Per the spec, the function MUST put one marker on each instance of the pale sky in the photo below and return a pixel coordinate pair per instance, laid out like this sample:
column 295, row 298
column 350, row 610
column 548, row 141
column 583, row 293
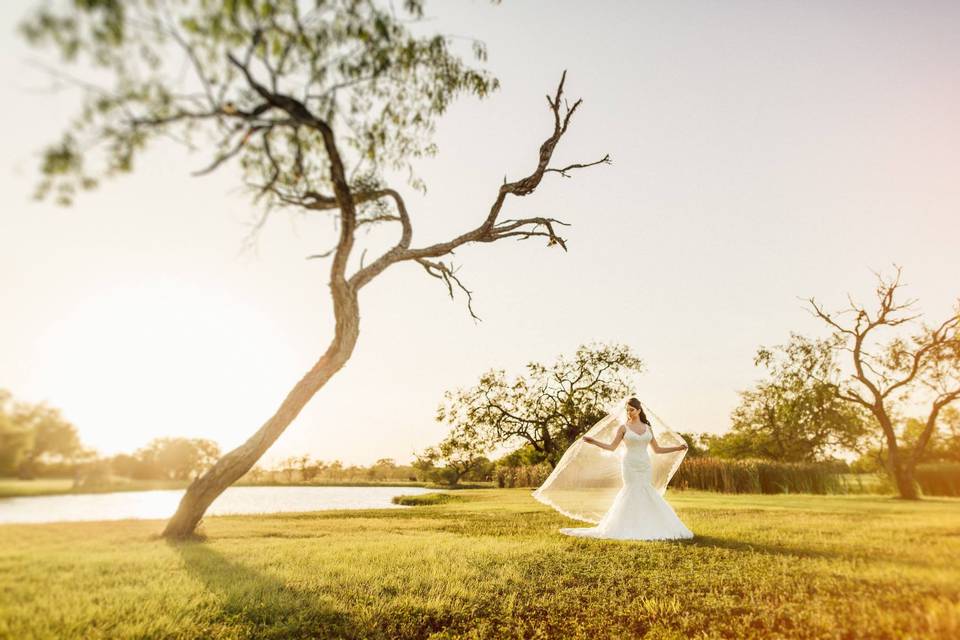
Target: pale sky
column 763, row 152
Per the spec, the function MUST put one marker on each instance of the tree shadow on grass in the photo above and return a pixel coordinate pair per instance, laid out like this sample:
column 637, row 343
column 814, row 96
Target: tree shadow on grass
column 258, row 605
column 263, row 606
column 764, row 548
column 803, row 553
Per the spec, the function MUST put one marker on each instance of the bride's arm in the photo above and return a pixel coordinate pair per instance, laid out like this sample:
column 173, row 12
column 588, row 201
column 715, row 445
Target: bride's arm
column 658, row 449
column 603, row 445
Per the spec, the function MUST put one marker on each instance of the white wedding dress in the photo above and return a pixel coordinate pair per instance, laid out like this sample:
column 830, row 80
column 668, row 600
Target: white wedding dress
column 638, row 511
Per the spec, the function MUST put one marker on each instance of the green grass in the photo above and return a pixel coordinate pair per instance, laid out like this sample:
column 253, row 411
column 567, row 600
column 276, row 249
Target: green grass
column 492, row 565
column 14, row 488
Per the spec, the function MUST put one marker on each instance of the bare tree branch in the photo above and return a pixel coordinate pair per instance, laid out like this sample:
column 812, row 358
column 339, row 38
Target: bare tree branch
column 563, row 171
column 446, row 273
column 488, row 230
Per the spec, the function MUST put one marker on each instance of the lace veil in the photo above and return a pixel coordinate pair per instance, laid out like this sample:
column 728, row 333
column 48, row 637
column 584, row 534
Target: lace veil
column 587, row 478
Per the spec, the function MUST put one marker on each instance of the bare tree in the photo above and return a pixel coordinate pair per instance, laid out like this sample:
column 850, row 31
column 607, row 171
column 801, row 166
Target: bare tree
column 924, row 368
column 315, row 108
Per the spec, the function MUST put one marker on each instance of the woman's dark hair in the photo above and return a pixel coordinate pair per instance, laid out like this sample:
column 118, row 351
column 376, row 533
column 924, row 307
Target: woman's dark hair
column 633, row 402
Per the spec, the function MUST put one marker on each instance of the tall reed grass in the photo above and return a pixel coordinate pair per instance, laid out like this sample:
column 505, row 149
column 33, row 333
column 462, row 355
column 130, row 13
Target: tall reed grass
column 939, row 479
column 767, row 476
column 735, row 476
column 523, row 476
column 759, row 476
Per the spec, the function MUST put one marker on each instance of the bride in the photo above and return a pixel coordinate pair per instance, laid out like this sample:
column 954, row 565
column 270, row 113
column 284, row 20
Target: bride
column 621, row 494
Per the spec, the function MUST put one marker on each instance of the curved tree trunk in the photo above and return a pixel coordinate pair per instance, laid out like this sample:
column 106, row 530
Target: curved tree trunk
column 206, row 488
column 899, row 465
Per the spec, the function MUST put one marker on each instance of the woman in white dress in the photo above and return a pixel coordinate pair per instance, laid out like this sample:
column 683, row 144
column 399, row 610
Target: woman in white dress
column 637, row 511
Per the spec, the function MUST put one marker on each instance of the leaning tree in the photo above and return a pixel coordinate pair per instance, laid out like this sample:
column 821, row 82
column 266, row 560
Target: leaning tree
column 318, row 108
column 907, row 369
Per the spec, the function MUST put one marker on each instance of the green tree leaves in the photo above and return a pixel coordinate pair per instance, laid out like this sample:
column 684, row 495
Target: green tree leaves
column 33, row 433
column 795, row 415
column 169, row 73
column 547, row 408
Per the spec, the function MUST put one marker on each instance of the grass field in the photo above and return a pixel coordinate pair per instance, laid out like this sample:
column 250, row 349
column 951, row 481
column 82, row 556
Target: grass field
column 490, row 564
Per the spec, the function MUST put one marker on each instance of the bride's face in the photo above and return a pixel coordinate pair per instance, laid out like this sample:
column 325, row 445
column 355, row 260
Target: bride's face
column 632, row 413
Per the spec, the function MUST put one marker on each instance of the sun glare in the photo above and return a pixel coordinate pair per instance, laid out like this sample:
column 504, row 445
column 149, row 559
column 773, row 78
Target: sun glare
column 162, row 358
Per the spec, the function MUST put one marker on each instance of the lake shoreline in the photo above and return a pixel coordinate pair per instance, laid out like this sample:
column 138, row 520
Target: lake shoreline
column 14, row 488
column 236, row 500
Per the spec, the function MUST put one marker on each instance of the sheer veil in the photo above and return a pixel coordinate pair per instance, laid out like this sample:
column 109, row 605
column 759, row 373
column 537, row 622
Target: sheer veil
column 587, row 478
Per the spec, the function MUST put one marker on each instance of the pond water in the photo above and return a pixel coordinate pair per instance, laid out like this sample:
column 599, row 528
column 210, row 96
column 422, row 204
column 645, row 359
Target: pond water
column 161, row 504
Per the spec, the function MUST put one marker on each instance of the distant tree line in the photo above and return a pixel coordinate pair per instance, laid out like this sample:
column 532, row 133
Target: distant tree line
column 35, row 436
column 304, row 469
column 821, row 402
column 166, row 459
column 37, row 441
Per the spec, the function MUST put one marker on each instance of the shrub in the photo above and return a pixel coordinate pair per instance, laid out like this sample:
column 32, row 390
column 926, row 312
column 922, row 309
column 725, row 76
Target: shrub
column 426, row 500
